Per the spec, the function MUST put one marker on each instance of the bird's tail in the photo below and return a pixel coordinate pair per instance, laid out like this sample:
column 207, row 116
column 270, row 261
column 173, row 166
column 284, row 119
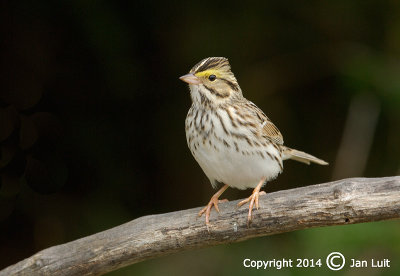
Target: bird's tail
column 301, row 156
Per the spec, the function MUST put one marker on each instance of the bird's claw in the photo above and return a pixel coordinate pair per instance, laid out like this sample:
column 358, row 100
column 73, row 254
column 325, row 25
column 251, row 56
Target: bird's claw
column 253, row 199
column 207, row 209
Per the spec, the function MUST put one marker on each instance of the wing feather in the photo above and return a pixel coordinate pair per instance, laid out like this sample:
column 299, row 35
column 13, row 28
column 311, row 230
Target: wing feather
column 267, row 128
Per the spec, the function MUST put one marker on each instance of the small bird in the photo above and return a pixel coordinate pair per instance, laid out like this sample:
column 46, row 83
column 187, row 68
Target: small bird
column 233, row 141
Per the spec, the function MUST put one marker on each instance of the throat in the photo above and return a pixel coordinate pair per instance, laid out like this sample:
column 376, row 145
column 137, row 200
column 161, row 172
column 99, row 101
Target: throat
column 204, row 101
column 200, row 99
column 208, row 97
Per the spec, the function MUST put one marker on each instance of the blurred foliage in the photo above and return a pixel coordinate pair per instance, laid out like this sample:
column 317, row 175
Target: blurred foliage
column 92, row 115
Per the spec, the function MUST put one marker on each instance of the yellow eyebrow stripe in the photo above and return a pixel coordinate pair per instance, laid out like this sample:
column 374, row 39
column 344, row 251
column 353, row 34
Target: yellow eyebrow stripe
column 207, row 73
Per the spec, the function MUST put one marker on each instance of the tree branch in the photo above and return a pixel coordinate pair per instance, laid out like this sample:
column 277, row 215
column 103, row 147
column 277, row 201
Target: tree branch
column 345, row 201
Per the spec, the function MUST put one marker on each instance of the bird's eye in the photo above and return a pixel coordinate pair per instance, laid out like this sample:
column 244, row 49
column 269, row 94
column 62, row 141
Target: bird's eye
column 212, row 77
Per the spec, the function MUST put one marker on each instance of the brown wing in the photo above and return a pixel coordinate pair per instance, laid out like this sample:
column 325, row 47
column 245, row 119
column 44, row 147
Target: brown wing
column 273, row 132
column 269, row 130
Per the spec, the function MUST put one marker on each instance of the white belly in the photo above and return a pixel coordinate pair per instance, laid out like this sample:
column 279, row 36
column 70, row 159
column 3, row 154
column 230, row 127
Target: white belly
column 234, row 168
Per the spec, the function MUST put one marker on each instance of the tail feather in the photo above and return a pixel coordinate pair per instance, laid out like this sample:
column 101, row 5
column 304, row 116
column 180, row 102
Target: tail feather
column 301, row 156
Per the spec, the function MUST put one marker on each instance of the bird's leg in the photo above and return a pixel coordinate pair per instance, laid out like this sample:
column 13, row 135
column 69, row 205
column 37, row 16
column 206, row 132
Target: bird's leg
column 213, row 202
column 253, row 199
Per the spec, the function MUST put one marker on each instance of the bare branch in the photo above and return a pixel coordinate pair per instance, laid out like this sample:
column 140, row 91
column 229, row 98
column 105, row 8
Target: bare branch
column 345, row 201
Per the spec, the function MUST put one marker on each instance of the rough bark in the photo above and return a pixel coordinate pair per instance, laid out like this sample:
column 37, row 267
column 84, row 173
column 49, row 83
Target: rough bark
column 345, row 201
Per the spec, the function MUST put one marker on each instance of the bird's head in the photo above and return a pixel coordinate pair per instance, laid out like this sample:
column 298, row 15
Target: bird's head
column 212, row 81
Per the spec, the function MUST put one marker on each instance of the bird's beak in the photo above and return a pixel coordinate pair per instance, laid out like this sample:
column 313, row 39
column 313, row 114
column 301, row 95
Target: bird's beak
column 190, row 79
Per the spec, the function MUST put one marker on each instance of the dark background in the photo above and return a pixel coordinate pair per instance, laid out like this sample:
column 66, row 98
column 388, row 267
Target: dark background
column 92, row 117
